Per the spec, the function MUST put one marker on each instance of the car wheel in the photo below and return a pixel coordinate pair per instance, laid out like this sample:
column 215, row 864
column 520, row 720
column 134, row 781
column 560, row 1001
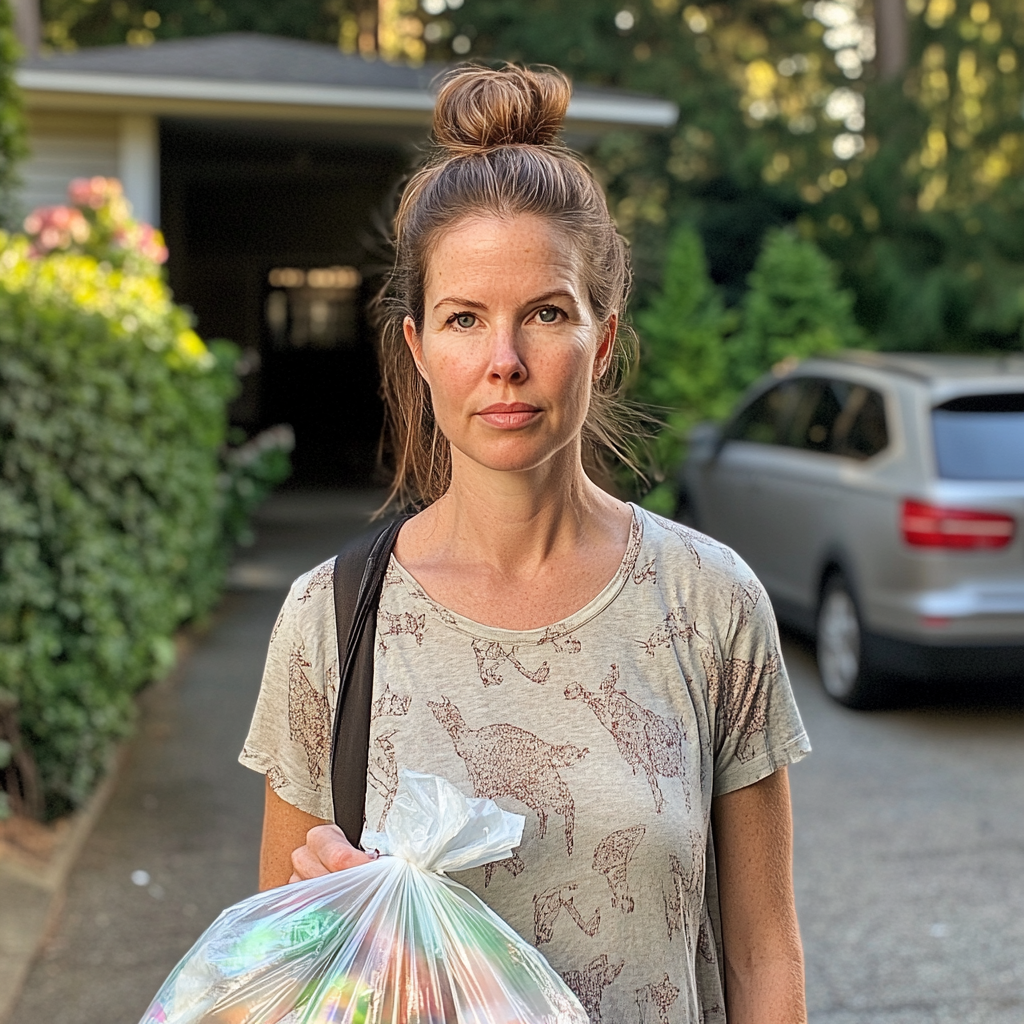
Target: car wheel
column 840, row 647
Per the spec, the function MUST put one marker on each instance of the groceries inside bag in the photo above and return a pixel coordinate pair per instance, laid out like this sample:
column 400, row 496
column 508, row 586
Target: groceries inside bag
column 389, row 942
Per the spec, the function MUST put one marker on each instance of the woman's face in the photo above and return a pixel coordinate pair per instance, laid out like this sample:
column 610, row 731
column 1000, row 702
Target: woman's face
column 510, row 347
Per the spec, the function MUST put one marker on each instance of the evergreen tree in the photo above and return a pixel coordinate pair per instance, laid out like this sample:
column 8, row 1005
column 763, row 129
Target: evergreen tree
column 793, row 309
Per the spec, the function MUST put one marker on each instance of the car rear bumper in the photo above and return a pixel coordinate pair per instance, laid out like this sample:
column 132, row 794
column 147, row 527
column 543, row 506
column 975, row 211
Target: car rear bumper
column 924, row 662
column 970, row 615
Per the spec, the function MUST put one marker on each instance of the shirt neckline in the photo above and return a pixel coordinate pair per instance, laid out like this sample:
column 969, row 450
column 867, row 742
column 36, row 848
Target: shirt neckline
column 540, row 634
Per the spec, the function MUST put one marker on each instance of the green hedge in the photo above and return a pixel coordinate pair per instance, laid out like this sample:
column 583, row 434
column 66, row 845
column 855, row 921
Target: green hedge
column 12, row 119
column 112, row 497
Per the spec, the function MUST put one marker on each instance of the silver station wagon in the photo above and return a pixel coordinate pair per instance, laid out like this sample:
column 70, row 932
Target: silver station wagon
column 880, row 499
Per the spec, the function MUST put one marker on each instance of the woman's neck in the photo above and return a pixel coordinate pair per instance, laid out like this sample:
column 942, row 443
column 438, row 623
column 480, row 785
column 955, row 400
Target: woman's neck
column 516, row 522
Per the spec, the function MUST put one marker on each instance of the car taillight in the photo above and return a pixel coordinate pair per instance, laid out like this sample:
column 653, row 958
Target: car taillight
column 925, row 526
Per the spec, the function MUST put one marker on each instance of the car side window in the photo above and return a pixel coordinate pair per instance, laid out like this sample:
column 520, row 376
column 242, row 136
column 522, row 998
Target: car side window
column 836, row 417
column 861, row 430
column 818, row 408
column 767, row 418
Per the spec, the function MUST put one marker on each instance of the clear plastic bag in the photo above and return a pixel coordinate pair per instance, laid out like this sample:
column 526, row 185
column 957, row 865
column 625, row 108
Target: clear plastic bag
column 389, row 942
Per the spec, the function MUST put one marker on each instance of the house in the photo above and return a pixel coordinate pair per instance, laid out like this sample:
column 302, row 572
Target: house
column 268, row 163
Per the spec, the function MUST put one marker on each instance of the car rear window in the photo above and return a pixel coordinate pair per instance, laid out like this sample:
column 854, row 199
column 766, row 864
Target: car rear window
column 980, row 437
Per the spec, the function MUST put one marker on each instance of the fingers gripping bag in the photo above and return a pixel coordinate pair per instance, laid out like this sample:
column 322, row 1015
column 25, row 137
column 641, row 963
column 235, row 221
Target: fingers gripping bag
column 393, row 941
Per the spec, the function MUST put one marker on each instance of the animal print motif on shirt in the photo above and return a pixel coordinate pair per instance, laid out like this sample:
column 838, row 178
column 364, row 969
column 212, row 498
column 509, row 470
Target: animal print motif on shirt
column 402, row 624
column 490, row 655
column 735, row 688
column 504, row 760
column 645, row 740
column 514, row 865
column 322, row 578
column 382, row 772
column 276, row 778
column 562, row 642
column 686, row 880
column 648, row 574
column 548, row 906
column 675, row 626
column 389, row 703
column 654, row 1001
column 589, row 984
column 611, row 858
column 382, row 766
column 309, row 716
column 743, row 601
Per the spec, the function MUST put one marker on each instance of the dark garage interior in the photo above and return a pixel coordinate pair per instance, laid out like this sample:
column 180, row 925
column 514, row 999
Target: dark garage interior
column 275, row 235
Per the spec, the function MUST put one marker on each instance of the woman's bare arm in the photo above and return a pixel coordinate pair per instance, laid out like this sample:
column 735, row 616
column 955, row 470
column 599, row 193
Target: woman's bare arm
column 764, row 967
column 298, row 845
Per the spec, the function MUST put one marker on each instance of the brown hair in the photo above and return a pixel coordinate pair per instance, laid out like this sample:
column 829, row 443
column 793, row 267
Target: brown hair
column 495, row 151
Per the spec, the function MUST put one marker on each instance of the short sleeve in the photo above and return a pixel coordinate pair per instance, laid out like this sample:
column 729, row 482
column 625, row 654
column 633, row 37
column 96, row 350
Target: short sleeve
column 289, row 739
column 758, row 728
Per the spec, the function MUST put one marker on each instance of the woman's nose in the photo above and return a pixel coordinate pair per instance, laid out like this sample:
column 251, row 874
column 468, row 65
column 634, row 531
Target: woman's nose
column 506, row 362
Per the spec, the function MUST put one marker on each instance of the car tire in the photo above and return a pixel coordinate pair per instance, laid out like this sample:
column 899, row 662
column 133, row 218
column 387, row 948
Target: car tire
column 845, row 674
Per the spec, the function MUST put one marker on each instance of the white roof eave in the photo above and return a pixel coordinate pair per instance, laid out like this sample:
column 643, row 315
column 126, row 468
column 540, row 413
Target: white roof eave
column 639, row 112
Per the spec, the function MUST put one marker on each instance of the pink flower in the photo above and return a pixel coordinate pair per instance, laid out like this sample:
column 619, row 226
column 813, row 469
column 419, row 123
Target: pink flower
column 56, row 227
column 93, row 192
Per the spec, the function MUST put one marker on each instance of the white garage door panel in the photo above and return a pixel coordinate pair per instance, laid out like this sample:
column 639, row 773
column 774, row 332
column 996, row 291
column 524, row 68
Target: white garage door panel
column 55, row 161
column 59, row 153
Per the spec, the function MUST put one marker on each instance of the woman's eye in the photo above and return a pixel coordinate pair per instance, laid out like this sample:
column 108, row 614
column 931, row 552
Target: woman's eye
column 465, row 320
column 548, row 316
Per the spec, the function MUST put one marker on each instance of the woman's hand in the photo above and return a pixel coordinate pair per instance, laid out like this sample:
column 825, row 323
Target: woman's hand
column 326, row 849
column 297, row 845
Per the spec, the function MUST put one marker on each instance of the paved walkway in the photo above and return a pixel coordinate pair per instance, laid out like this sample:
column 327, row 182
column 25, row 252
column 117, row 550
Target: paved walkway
column 179, row 839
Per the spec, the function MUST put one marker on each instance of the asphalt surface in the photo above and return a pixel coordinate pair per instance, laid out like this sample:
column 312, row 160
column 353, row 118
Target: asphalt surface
column 909, row 824
column 910, row 857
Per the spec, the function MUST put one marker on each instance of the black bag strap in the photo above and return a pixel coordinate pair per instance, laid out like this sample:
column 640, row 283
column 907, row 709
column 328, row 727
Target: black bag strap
column 358, row 580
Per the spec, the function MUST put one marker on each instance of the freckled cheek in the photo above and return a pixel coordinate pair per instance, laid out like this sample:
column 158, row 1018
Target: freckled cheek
column 564, row 369
column 453, row 376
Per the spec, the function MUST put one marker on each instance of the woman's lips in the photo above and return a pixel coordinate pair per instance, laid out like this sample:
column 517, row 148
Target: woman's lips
column 509, row 416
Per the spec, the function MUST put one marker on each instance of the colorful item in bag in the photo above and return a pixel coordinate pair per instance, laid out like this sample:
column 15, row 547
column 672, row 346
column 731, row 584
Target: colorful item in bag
column 394, row 941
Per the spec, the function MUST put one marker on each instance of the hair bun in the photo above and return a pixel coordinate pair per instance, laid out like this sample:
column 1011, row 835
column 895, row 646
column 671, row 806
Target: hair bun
column 479, row 108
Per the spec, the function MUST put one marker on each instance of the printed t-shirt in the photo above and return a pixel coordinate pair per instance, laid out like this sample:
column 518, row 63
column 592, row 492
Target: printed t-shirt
column 611, row 731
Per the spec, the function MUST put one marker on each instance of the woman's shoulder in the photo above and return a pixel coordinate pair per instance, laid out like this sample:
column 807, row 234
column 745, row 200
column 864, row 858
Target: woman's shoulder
column 310, row 601
column 689, row 549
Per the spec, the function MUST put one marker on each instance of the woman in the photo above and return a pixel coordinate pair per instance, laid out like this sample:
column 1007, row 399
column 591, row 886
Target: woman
column 610, row 674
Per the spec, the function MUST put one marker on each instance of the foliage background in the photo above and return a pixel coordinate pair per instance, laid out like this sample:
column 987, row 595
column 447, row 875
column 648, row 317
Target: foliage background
column 912, row 185
column 12, row 122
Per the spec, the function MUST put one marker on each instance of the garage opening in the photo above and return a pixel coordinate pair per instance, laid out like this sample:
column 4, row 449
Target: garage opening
column 274, row 232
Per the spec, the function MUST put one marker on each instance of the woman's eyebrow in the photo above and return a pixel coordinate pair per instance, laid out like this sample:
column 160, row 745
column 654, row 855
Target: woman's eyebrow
column 454, row 300
column 560, row 293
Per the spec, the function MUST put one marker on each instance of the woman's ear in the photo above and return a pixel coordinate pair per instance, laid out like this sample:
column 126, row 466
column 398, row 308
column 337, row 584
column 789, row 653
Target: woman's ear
column 415, row 343
column 603, row 356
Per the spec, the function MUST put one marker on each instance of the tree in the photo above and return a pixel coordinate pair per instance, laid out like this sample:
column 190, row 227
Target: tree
column 793, row 309
column 684, row 365
column 387, row 28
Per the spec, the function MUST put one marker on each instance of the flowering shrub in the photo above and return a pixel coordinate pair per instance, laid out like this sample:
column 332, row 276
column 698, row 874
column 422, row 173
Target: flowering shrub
column 116, row 491
column 97, row 223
